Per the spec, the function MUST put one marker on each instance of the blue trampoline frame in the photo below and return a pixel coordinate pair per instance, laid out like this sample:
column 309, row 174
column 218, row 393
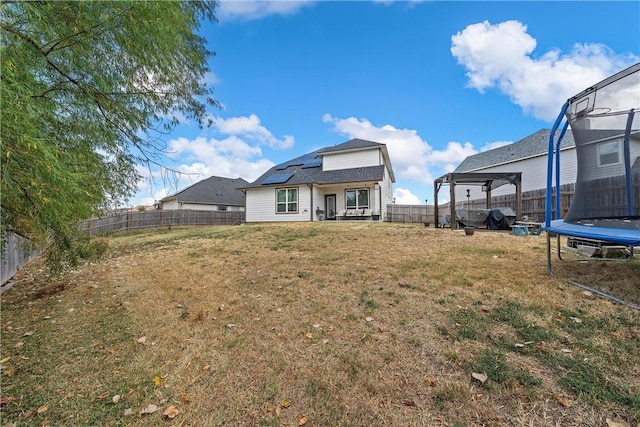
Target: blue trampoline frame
column 557, row 226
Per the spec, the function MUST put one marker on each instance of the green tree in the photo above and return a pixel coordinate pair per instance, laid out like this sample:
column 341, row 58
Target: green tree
column 88, row 90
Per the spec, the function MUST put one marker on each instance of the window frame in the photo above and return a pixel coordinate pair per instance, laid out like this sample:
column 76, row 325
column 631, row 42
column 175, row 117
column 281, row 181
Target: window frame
column 357, row 198
column 603, row 144
column 287, row 202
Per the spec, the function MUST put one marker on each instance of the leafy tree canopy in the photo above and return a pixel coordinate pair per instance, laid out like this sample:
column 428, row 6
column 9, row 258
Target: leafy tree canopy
column 88, row 89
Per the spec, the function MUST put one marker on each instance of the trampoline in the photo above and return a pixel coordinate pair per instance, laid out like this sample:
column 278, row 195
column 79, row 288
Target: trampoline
column 605, row 123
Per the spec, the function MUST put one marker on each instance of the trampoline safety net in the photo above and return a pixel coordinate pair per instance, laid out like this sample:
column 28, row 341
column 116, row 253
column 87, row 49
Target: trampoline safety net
column 605, row 122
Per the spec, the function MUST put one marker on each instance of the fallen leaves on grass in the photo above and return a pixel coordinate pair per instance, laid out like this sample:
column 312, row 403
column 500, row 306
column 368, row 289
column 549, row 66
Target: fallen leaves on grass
column 149, row 409
column 142, row 340
column 562, row 401
column 157, row 381
column 302, row 421
column 116, row 398
column 7, row 400
column 612, row 423
column 103, row 395
column 431, row 381
column 482, row 378
column 171, row 412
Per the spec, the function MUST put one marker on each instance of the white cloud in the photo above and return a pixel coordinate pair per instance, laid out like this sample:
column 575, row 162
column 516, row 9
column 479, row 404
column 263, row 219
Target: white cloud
column 250, row 10
column 404, row 196
column 203, row 148
column 197, row 159
column 230, row 157
column 500, row 56
column 250, row 127
column 235, row 153
column 412, row 157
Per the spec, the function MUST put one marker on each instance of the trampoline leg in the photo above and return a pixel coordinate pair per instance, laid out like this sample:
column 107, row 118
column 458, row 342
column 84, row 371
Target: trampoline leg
column 549, row 268
column 558, row 245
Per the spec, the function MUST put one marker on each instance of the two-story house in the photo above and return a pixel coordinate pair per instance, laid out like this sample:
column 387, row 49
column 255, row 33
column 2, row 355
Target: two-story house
column 352, row 180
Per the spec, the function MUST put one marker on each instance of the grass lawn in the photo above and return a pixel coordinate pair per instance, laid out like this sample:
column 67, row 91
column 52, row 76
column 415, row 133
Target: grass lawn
column 321, row 324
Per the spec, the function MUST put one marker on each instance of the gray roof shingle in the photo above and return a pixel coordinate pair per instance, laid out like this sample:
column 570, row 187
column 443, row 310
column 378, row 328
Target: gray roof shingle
column 214, row 190
column 533, row 145
column 353, row 144
column 316, row 175
column 301, row 173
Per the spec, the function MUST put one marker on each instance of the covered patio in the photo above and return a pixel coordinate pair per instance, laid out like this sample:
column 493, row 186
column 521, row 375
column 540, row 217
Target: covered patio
column 488, row 181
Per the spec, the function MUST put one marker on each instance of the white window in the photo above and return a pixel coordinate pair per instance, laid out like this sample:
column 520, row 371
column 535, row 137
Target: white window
column 609, row 153
column 357, row 198
column 286, row 200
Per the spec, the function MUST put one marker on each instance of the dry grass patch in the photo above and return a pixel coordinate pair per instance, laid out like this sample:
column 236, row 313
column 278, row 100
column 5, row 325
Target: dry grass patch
column 328, row 323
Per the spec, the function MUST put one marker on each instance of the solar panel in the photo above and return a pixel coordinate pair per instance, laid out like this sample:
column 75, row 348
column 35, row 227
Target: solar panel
column 278, row 178
column 312, row 163
column 306, row 161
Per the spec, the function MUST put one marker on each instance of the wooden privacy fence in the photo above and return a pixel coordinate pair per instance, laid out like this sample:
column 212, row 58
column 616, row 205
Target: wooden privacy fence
column 409, row 213
column 533, row 206
column 131, row 221
column 16, row 252
column 534, row 202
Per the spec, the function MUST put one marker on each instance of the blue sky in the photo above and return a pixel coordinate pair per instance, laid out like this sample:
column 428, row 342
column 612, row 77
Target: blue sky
column 436, row 81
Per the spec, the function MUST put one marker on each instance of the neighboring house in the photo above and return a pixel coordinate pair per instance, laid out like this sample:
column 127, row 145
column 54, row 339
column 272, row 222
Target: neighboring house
column 529, row 156
column 352, row 180
column 214, row 193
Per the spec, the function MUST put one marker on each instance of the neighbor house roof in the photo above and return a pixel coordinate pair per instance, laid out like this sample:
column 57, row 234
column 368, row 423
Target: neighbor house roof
column 307, row 169
column 214, row 190
column 533, row 145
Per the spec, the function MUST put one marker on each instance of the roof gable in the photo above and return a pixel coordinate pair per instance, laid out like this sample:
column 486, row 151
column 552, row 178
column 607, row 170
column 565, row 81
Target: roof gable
column 354, row 144
column 307, row 169
column 533, row 145
column 213, row 190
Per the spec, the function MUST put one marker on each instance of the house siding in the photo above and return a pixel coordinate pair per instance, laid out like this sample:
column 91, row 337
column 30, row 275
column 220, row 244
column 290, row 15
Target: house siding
column 590, row 157
column 261, row 205
column 386, row 192
column 174, row 205
column 353, row 159
column 534, row 175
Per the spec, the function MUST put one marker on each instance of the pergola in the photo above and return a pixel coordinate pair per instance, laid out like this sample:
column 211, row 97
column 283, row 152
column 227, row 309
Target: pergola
column 488, row 181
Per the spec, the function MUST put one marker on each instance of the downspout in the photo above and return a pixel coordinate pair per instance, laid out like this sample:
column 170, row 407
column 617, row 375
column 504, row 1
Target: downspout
column 380, row 202
column 311, row 198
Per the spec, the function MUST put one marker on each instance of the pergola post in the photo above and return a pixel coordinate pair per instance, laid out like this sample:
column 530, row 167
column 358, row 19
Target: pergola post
column 488, row 179
column 435, row 204
column 518, row 200
column 452, row 203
